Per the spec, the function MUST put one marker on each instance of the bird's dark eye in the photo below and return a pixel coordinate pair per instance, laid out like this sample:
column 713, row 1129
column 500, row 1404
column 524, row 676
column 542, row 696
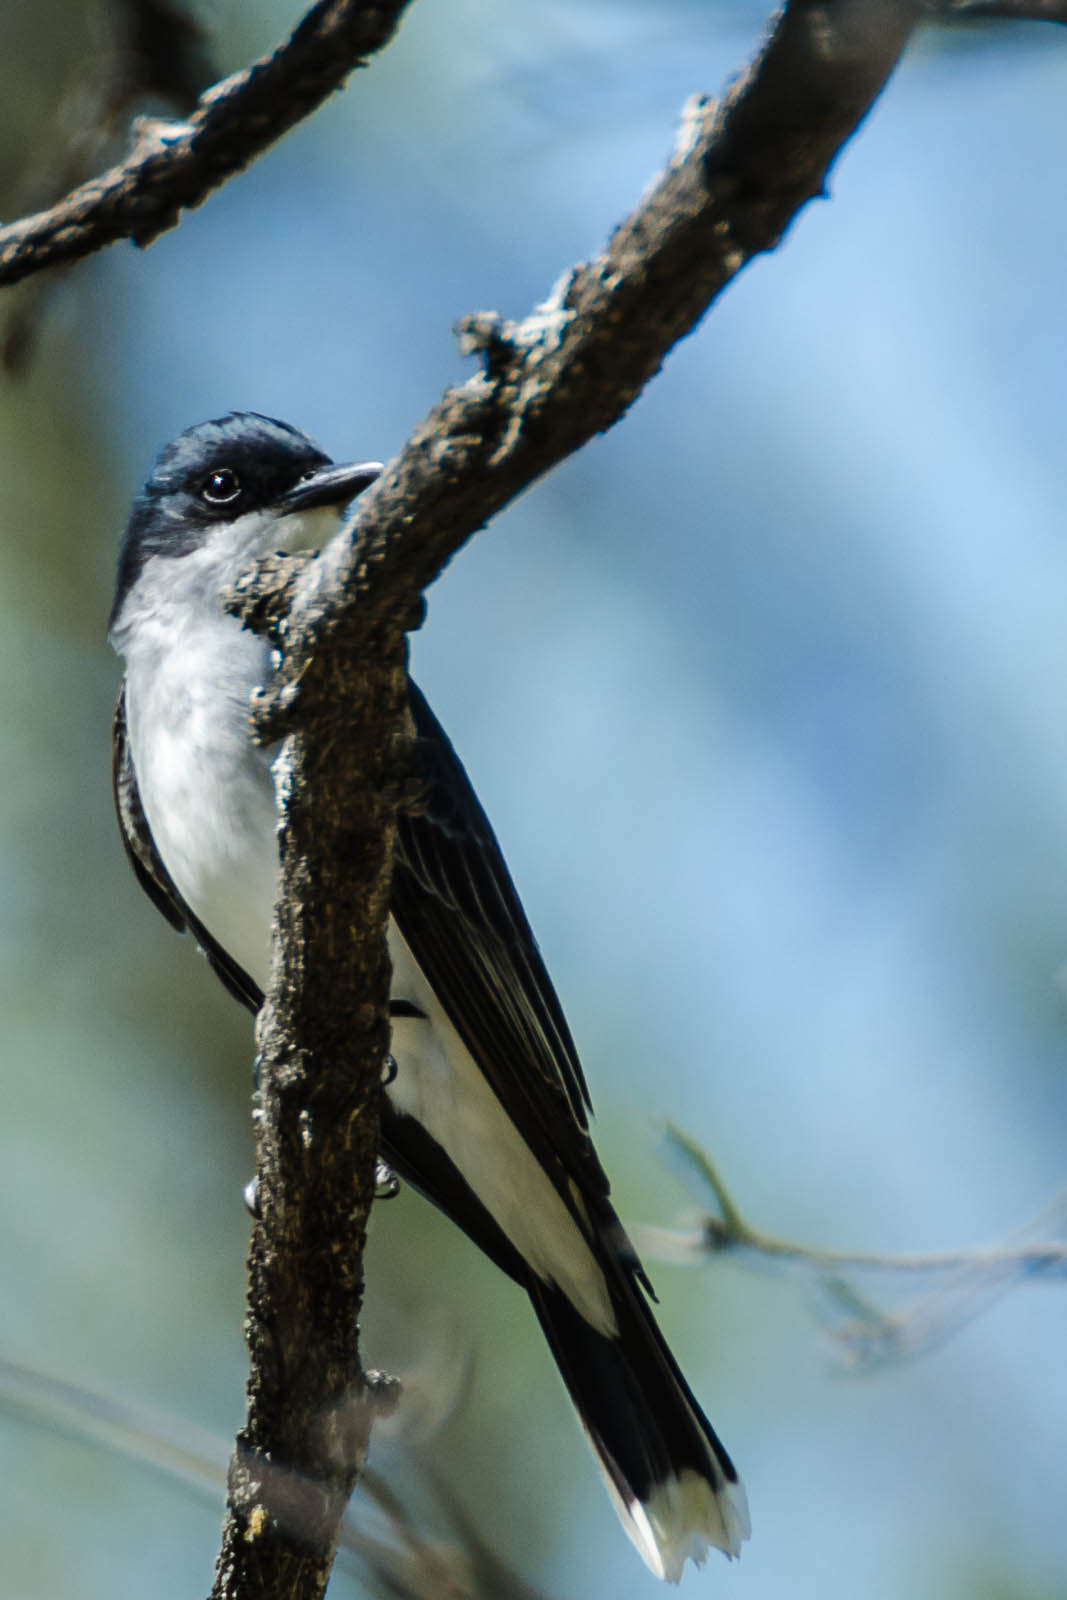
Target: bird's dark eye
column 221, row 487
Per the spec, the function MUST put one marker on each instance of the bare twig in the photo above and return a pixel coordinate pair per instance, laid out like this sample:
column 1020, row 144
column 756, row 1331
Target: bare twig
column 175, row 166
column 965, row 1282
column 730, row 1231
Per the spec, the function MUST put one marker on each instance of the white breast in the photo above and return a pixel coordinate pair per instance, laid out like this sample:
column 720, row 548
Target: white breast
column 206, row 788
column 208, row 795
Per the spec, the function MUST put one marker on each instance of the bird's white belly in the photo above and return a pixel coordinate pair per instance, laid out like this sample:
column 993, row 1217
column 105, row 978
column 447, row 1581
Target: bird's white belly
column 207, row 789
column 208, row 796
column 227, row 871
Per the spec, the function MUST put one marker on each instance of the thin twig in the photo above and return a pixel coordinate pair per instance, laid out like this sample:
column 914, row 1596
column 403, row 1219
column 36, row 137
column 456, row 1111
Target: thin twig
column 729, row 1231
column 174, row 166
column 965, row 1282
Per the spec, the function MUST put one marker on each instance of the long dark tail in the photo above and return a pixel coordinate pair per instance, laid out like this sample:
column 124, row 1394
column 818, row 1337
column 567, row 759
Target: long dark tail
column 675, row 1488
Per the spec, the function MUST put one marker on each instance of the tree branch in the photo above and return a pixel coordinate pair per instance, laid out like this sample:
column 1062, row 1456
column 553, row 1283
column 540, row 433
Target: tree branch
column 323, row 1038
column 174, row 166
column 741, row 172
column 571, row 369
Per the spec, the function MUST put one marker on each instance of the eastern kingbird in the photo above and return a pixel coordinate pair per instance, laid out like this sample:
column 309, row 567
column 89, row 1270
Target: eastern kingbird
column 486, row 1113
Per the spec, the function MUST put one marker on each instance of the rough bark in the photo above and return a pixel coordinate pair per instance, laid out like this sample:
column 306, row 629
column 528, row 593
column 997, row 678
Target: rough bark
column 323, row 1037
column 174, row 166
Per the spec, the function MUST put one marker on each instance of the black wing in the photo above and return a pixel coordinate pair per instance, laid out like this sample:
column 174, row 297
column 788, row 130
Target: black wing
column 149, row 870
column 455, row 904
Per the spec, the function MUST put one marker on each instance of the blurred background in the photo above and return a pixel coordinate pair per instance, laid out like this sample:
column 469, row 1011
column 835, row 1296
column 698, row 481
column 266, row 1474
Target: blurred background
column 766, row 694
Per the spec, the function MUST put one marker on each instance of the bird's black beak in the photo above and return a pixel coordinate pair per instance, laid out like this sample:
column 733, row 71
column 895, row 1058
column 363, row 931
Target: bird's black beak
column 330, row 486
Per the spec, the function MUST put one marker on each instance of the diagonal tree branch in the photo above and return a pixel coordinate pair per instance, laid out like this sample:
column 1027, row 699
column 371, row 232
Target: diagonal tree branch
column 739, row 176
column 742, row 170
column 175, row 166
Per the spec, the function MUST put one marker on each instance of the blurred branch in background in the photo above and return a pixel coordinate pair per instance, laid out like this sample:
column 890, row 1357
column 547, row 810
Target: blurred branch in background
column 380, row 1544
column 173, row 166
column 149, row 51
column 963, row 1283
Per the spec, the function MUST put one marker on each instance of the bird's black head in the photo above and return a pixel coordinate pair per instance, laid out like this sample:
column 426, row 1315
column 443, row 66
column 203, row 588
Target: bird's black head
column 218, row 471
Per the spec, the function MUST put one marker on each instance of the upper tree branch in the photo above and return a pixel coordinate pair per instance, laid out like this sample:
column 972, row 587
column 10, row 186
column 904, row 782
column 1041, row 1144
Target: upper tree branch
column 742, row 171
column 235, row 121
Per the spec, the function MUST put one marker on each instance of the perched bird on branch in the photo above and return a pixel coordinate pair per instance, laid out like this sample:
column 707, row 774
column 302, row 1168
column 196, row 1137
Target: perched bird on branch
column 486, row 1112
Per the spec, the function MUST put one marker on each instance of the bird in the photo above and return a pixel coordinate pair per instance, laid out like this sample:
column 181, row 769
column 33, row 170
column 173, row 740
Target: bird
column 485, row 1108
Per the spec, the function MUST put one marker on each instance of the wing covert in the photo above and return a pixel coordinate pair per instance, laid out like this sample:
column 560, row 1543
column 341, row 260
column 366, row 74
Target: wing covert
column 455, row 904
